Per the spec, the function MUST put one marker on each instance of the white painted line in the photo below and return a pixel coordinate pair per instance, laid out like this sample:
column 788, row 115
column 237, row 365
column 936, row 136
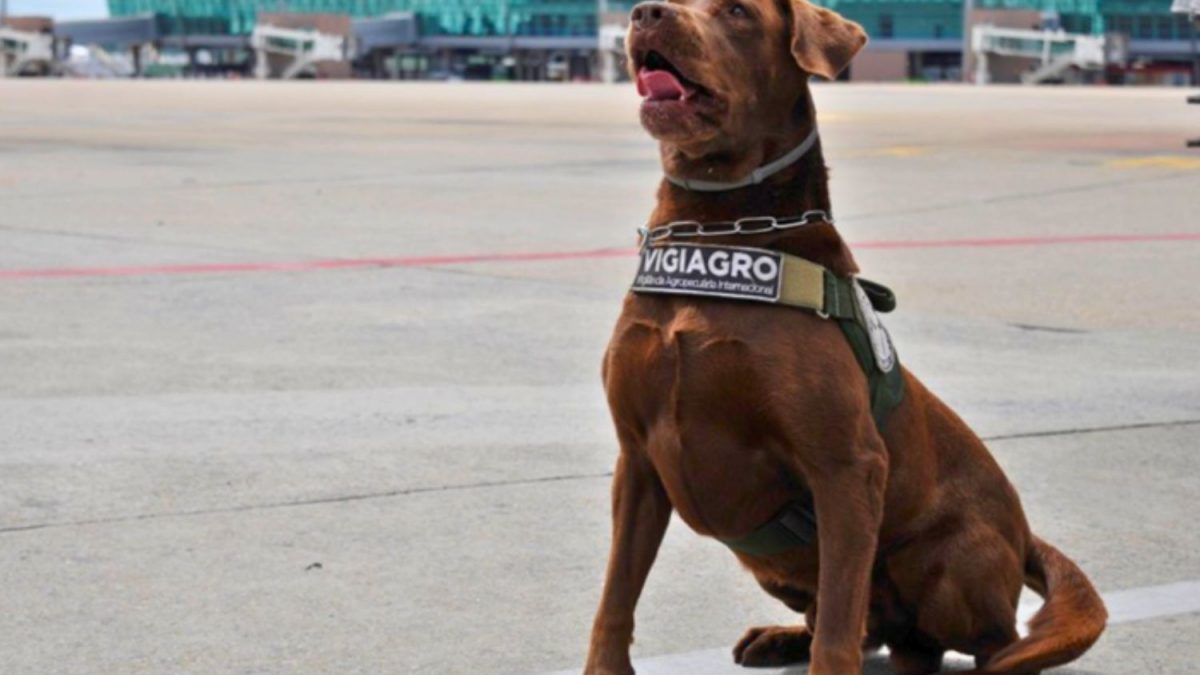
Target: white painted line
column 1127, row 606
column 1153, row 602
column 720, row 662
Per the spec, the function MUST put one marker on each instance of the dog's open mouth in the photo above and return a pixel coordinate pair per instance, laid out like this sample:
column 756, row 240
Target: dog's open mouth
column 658, row 80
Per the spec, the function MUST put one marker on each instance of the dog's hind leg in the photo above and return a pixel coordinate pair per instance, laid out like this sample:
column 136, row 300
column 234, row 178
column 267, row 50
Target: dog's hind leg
column 910, row 651
column 963, row 589
column 916, row 657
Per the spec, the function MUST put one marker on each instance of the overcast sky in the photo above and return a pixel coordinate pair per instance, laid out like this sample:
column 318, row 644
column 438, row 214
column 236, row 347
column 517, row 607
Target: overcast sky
column 60, row 9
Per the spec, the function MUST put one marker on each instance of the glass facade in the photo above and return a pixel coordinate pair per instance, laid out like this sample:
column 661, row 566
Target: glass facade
column 933, row 19
column 903, row 19
column 883, row 19
column 435, row 17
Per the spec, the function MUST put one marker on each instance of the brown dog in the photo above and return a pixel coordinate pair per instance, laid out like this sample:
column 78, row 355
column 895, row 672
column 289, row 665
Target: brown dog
column 728, row 411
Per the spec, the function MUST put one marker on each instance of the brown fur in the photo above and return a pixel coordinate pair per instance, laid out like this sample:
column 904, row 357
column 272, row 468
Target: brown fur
column 727, row 411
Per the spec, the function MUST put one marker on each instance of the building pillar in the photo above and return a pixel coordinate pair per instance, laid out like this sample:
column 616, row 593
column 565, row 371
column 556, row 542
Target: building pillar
column 377, row 70
column 262, row 69
column 982, row 74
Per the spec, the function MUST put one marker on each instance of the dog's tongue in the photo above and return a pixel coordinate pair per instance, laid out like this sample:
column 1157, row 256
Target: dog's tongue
column 659, row 85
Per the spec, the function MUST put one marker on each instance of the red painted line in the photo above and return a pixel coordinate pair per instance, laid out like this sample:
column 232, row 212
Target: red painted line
column 1029, row 241
column 306, row 265
column 442, row 260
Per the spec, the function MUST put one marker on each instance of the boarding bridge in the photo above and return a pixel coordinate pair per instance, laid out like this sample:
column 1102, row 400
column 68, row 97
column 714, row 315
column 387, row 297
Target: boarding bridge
column 299, row 50
column 24, row 53
column 1055, row 52
column 96, row 62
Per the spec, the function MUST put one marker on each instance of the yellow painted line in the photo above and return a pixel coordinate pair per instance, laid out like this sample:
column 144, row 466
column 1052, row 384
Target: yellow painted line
column 1155, row 162
column 824, row 117
column 901, row 151
column 904, row 151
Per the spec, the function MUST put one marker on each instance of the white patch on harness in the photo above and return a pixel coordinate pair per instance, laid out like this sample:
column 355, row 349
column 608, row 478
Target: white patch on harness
column 881, row 342
column 715, row 271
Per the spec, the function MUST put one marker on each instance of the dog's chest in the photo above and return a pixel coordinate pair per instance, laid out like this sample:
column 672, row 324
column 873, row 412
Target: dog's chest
column 701, row 386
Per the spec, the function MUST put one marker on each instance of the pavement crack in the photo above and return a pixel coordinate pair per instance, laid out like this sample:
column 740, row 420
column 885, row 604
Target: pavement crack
column 337, row 499
column 481, row 485
column 1015, row 197
column 1092, row 430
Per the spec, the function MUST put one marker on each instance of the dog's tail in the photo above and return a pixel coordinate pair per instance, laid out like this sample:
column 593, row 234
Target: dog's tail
column 1070, row 621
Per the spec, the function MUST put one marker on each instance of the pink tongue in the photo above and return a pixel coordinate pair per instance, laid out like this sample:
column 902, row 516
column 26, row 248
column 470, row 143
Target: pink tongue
column 659, row 85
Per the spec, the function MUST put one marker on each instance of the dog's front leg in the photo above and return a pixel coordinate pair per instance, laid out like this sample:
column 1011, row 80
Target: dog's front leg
column 849, row 498
column 641, row 512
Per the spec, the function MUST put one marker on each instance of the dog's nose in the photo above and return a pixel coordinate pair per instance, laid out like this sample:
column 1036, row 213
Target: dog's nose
column 649, row 14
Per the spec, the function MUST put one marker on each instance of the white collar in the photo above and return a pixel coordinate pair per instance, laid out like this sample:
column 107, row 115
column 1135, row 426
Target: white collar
column 756, row 176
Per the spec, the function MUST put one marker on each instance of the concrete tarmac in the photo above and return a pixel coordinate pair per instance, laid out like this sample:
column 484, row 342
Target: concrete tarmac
column 304, row 378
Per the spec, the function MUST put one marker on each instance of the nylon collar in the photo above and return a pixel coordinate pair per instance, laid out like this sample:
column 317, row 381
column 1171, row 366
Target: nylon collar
column 756, row 176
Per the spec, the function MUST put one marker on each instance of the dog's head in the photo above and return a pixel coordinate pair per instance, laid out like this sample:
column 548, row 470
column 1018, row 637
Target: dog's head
column 726, row 69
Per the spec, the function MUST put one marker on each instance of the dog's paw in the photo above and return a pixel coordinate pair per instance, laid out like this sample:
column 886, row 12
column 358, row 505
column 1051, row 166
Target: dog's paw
column 768, row 646
column 615, row 667
column 626, row 670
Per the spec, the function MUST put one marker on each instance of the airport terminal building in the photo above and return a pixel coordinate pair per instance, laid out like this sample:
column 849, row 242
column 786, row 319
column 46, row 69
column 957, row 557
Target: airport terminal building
column 1115, row 41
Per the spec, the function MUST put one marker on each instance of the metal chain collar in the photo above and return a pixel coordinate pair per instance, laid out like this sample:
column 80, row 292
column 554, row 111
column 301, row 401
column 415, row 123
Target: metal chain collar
column 684, row 229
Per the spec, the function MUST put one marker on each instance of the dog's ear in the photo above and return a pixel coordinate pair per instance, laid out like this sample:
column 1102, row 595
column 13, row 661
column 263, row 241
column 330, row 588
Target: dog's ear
column 822, row 41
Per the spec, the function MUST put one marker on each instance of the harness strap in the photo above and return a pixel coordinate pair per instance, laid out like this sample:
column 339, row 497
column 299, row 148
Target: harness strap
column 795, row 525
column 886, row 388
column 810, row 286
column 692, row 269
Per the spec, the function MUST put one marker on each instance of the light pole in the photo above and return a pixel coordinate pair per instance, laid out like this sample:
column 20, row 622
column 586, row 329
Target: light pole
column 1195, row 20
column 1190, row 8
column 968, row 9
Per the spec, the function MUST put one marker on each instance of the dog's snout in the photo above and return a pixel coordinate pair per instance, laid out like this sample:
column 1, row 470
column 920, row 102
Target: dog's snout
column 649, row 14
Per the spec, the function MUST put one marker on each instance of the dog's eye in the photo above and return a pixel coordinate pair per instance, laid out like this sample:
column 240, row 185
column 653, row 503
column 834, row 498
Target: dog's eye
column 738, row 9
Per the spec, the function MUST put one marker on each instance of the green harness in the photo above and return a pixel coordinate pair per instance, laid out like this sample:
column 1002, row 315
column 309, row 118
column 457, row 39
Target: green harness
column 759, row 275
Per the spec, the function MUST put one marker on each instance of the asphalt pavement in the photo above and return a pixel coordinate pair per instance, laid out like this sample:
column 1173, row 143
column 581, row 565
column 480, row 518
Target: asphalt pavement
column 304, row 378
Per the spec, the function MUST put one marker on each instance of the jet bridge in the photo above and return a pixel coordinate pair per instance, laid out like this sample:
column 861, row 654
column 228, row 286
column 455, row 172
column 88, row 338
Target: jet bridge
column 1053, row 53
column 25, row 52
column 104, row 38
column 289, row 46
